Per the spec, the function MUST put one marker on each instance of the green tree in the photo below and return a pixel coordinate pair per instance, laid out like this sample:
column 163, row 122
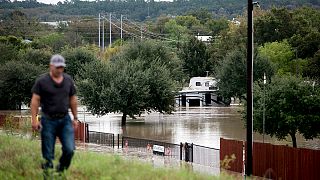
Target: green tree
column 160, row 24
column 306, row 45
column 312, row 69
column 234, row 37
column 291, row 106
column 8, row 53
column 54, row 41
column 9, row 48
column 196, row 58
column 137, row 79
column 114, row 87
column 273, row 26
column 201, row 14
column 232, row 73
column 75, row 60
column 176, row 32
column 192, row 24
column 150, row 51
column 217, row 25
column 39, row 57
column 187, row 21
column 18, row 24
column 280, row 53
column 16, row 80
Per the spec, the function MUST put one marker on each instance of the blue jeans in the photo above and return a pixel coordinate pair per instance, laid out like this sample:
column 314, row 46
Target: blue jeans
column 52, row 128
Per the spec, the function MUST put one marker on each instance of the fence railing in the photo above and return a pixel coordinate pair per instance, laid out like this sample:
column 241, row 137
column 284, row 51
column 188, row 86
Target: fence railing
column 101, row 138
column 146, row 145
column 206, row 156
column 184, row 151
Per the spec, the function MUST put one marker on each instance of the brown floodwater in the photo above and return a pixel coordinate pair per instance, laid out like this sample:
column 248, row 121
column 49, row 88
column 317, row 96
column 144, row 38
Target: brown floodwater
column 201, row 125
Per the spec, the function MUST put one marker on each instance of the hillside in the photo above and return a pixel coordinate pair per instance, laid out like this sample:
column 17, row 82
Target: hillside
column 139, row 9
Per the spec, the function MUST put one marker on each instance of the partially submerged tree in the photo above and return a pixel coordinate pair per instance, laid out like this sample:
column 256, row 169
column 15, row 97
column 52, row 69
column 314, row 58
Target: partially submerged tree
column 232, row 73
column 292, row 106
column 132, row 82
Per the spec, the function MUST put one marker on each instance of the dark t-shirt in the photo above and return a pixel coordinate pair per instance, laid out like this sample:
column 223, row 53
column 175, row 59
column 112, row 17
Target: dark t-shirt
column 54, row 98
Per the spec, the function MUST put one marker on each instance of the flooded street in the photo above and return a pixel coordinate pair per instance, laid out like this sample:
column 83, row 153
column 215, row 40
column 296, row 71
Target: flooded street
column 203, row 126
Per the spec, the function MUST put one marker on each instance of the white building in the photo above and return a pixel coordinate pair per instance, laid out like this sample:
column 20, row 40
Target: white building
column 205, row 39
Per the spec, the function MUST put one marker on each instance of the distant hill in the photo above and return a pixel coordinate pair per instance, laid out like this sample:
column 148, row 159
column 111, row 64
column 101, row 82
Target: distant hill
column 140, row 9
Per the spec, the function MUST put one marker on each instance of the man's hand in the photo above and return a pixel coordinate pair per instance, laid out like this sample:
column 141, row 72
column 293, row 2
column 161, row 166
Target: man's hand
column 35, row 103
column 75, row 124
column 35, row 125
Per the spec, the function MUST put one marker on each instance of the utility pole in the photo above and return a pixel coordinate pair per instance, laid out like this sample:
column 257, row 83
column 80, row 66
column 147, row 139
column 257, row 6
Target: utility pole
column 141, row 31
column 249, row 163
column 121, row 28
column 99, row 33
column 264, row 104
column 103, row 33
column 110, row 30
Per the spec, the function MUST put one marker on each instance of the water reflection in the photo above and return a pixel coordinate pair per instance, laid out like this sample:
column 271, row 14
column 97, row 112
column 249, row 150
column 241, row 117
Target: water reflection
column 203, row 126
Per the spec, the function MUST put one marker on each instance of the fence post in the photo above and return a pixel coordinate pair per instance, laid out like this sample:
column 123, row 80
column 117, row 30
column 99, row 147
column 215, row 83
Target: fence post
column 87, row 133
column 191, row 159
column 113, row 140
column 181, row 151
column 186, row 152
column 118, row 140
column 122, row 142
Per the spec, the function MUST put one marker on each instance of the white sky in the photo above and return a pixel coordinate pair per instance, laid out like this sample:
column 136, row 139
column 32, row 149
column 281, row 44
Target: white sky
column 56, row 1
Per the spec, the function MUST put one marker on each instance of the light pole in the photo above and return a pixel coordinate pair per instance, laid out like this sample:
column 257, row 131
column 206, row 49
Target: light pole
column 248, row 164
column 250, row 48
column 264, row 104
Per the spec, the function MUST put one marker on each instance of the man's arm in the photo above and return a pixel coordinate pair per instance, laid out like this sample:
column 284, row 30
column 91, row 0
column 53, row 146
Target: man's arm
column 73, row 106
column 35, row 103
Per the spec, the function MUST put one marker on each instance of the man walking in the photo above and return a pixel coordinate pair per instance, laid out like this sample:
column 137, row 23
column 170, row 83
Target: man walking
column 55, row 92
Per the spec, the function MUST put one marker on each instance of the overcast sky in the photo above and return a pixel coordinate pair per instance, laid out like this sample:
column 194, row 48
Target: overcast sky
column 56, row 1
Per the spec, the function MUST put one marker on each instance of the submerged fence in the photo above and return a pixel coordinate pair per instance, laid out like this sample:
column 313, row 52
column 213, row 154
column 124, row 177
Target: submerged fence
column 146, row 145
column 206, row 156
column 184, row 151
column 274, row 161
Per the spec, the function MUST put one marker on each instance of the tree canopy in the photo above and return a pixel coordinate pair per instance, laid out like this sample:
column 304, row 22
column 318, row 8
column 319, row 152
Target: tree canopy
column 138, row 79
column 16, row 80
column 76, row 59
column 196, row 58
column 291, row 105
column 143, row 9
column 232, row 73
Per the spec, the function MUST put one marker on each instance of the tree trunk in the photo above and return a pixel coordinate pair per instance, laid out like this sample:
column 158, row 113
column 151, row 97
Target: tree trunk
column 294, row 139
column 124, row 119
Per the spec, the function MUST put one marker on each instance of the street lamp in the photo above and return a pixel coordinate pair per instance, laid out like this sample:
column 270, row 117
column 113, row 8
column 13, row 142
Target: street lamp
column 249, row 163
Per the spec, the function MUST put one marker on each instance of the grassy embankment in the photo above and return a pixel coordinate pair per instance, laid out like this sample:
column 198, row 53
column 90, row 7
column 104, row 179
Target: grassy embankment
column 21, row 158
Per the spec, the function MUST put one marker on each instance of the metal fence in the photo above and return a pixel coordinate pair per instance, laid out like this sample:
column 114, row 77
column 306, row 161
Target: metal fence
column 146, row 145
column 205, row 156
column 188, row 152
column 106, row 139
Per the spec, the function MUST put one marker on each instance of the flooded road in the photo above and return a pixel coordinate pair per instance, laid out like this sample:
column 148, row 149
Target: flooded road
column 203, row 126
